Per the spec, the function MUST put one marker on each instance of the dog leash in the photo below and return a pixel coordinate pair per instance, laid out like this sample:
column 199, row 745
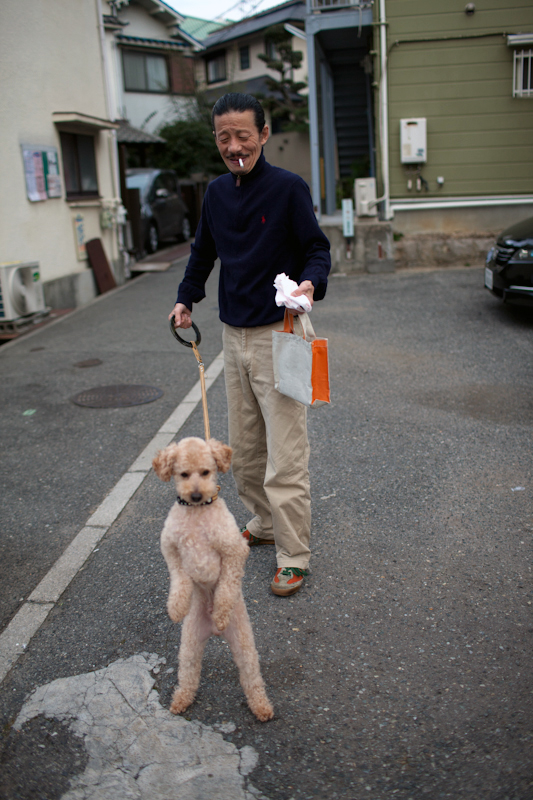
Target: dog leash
column 201, row 368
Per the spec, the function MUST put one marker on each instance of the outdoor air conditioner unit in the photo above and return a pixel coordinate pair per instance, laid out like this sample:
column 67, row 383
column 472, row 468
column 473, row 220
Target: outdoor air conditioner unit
column 21, row 290
column 365, row 197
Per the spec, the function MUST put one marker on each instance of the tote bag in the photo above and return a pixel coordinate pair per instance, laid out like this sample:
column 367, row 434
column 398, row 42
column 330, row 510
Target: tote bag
column 301, row 369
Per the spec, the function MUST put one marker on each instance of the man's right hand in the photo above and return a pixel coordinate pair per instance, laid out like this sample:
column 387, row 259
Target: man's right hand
column 182, row 316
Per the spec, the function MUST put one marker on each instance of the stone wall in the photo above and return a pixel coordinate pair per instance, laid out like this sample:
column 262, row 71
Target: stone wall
column 441, row 249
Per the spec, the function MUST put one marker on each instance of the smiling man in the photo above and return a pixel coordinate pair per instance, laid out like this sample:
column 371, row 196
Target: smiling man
column 259, row 221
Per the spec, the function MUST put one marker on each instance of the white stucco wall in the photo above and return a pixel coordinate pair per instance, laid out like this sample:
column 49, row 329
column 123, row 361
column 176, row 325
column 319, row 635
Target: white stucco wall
column 151, row 111
column 142, row 23
column 50, row 61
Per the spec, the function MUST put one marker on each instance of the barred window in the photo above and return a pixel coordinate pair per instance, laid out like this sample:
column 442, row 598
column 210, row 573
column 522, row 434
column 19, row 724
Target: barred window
column 522, row 73
column 244, row 53
column 79, row 165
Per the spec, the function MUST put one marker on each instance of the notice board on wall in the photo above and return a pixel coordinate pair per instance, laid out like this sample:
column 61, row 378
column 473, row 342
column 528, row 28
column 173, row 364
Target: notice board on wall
column 41, row 170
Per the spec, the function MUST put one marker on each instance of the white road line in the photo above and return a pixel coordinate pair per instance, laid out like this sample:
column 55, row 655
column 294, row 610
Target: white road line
column 30, row 617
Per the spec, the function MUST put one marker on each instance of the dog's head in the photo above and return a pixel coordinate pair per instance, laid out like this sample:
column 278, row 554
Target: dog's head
column 194, row 464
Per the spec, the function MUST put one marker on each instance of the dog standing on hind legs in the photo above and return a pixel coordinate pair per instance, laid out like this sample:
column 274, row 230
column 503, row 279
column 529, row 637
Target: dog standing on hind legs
column 205, row 555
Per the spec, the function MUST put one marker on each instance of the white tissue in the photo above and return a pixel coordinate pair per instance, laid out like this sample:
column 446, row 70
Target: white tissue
column 285, row 287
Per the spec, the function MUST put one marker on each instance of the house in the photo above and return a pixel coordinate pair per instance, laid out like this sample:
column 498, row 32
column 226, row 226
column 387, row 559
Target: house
column 230, row 63
column 59, row 169
column 150, row 53
column 449, row 112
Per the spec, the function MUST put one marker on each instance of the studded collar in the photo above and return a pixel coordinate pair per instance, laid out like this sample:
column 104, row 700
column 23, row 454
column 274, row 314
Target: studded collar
column 183, row 502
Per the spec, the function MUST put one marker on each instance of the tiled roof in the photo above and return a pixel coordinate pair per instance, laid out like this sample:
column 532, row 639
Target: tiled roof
column 200, row 28
column 127, row 134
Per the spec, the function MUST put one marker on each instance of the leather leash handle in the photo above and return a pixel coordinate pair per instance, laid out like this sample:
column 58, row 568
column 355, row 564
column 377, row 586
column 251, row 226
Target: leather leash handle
column 176, row 335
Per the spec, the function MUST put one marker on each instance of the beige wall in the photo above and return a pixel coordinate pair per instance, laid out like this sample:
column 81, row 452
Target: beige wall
column 290, row 151
column 50, row 61
column 257, row 67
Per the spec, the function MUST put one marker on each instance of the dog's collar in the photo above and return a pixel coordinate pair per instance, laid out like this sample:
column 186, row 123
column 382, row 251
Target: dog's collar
column 183, row 502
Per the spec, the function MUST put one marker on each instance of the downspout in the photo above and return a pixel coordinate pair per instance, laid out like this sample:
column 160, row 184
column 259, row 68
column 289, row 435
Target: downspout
column 117, row 201
column 384, row 111
column 313, row 124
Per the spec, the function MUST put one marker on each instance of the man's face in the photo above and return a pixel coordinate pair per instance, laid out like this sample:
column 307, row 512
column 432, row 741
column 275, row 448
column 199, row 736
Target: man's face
column 237, row 138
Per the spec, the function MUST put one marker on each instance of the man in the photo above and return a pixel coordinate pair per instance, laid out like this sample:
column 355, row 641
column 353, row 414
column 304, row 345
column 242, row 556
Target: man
column 259, row 221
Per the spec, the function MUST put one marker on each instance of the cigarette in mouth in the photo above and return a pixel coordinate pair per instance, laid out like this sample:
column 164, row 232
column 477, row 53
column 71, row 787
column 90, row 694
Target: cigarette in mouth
column 241, row 162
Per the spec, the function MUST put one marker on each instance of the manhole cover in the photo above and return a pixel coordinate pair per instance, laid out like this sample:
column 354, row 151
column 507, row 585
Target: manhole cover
column 117, row 396
column 90, row 362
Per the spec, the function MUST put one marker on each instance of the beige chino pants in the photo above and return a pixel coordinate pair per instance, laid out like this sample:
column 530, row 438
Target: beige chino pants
column 268, row 434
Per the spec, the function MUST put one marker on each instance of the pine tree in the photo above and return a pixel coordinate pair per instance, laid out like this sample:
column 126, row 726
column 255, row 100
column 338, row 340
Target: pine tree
column 284, row 102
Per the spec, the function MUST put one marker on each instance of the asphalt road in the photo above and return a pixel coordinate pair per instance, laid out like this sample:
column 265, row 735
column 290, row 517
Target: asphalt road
column 402, row 668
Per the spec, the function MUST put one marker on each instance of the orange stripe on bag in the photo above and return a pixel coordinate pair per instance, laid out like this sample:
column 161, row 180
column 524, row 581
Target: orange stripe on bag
column 320, row 371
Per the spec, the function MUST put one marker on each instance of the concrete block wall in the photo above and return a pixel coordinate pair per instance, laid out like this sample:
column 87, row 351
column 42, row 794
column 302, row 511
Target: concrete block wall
column 371, row 249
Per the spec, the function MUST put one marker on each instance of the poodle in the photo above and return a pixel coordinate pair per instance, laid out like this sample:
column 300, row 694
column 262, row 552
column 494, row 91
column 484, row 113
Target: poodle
column 205, row 555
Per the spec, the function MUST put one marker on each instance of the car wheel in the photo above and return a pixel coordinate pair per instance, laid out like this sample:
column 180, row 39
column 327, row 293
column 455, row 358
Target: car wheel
column 153, row 238
column 185, row 229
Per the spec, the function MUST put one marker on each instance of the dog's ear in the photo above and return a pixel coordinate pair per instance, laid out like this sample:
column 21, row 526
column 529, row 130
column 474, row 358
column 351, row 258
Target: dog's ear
column 163, row 462
column 221, row 453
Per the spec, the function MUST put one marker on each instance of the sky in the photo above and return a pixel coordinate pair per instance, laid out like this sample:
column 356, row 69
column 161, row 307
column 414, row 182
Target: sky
column 229, row 9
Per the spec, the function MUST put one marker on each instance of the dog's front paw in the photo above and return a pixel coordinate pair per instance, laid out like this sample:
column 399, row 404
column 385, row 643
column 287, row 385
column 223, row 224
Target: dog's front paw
column 176, row 608
column 221, row 620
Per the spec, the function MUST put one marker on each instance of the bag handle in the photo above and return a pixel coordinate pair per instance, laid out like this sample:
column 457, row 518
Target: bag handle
column 288, row 324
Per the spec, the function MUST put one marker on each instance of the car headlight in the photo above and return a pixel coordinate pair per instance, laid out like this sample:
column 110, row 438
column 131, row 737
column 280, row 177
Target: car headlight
column 524, row 254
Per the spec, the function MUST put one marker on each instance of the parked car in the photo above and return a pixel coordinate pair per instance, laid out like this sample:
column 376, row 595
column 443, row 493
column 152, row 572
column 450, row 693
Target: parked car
column 164, row 214
column 509, row 267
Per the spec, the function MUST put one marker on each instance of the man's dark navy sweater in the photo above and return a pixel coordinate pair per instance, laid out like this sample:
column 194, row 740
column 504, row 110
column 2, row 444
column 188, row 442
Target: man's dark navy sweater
column 264, row 226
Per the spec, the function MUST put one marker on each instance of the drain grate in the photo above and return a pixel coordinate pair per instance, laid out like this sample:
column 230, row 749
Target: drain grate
column 120, row 396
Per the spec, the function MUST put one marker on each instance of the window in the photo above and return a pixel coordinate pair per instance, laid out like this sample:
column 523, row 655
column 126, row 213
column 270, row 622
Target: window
column 244, row 53
column 216, row 67
column 522, row 73
column 271, row 50
column 79, row 165
column 144, row 72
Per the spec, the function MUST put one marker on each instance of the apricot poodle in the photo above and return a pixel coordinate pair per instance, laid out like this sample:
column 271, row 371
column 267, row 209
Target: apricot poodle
column 205, row 555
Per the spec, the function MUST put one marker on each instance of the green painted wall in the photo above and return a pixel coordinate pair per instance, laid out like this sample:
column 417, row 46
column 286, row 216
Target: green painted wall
column 480, row 138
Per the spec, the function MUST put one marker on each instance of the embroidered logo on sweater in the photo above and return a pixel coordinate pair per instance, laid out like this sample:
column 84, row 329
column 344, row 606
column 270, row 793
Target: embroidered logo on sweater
column 263, row 220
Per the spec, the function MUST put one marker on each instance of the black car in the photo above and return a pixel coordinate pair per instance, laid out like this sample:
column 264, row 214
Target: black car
column 509, row 267
column 163, row 212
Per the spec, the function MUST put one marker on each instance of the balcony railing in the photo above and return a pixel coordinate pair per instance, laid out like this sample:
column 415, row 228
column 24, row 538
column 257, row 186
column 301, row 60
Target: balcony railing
column 332, row 5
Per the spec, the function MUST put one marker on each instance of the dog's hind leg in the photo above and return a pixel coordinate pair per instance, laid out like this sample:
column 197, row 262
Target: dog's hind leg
column 195, row 632
column 240, row 638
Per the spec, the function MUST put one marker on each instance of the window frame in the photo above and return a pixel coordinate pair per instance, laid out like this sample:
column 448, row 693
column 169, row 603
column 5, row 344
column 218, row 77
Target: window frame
column 244, row 50
column 271, row 50
column 127, row 51
column 70, row 150
column 219, row 56
column 520, row 58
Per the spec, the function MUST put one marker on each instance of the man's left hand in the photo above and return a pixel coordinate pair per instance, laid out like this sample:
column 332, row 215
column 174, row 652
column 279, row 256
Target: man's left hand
column 307, row 288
